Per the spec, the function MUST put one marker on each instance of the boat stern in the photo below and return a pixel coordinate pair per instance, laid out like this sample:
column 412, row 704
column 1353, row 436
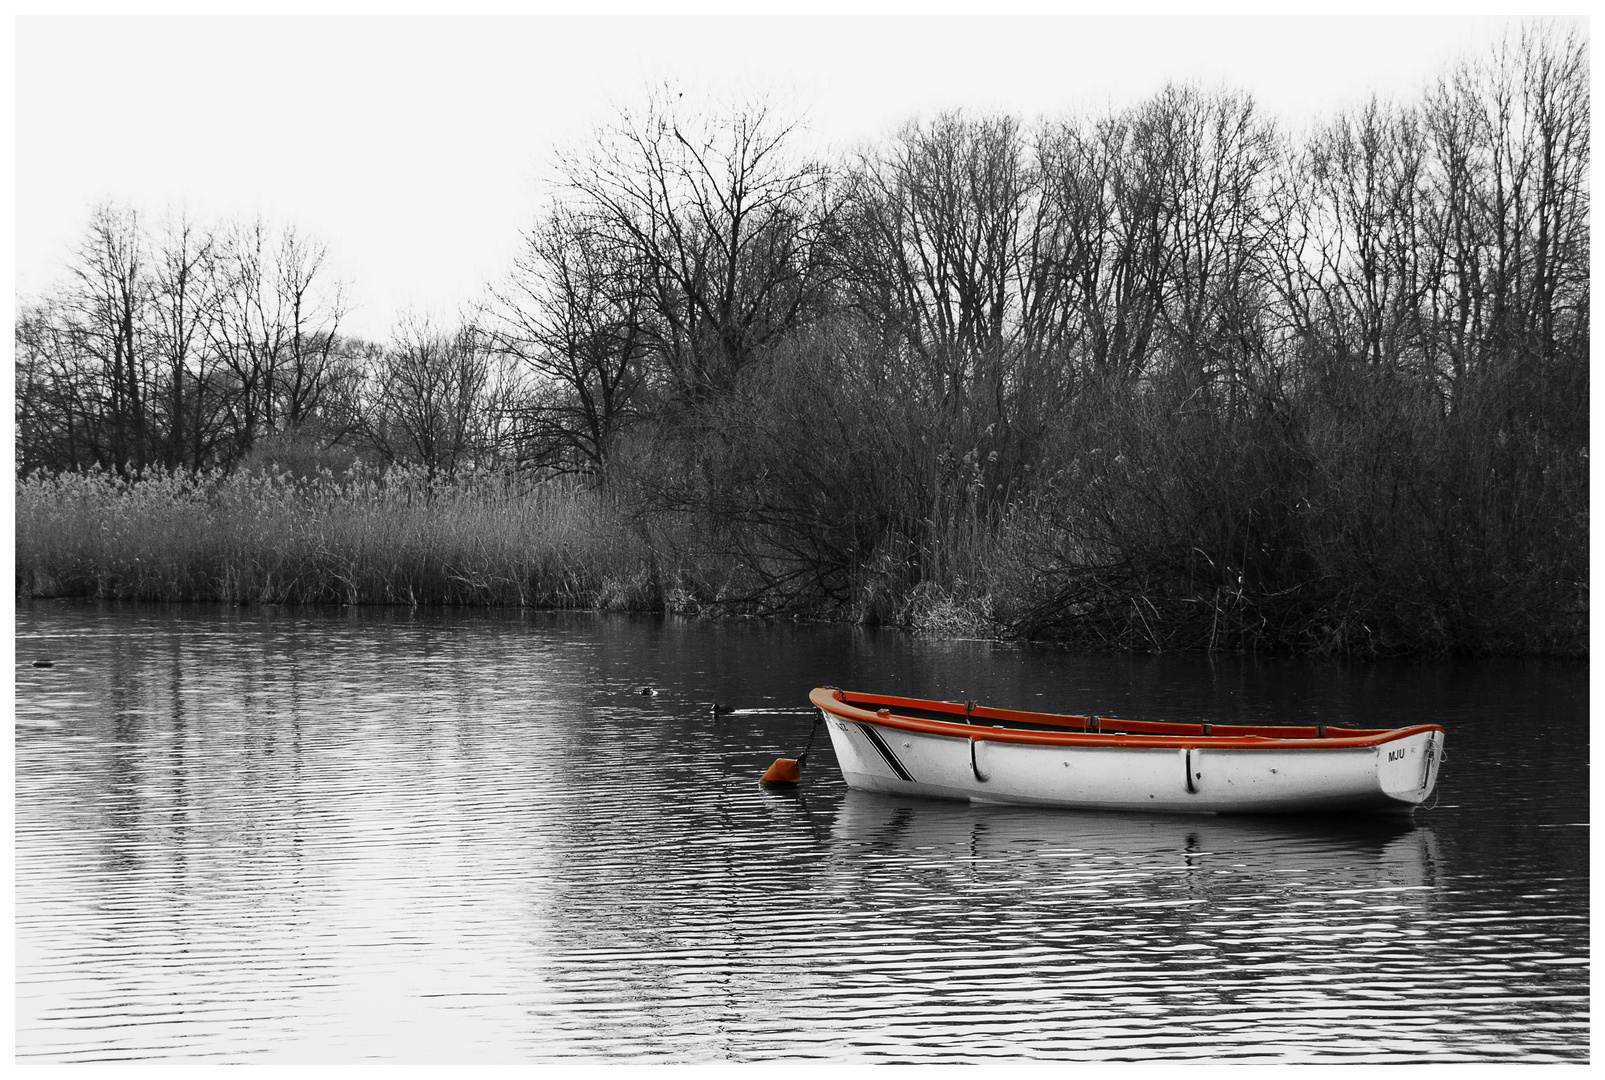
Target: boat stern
column 1407, row 768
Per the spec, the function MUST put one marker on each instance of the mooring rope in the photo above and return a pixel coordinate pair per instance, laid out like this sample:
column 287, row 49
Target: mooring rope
column 819, row 718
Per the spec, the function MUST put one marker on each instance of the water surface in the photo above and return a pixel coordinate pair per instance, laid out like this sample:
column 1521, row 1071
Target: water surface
column 282, row 836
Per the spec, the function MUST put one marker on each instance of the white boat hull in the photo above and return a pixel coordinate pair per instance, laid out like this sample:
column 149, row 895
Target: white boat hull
column 1389, row 777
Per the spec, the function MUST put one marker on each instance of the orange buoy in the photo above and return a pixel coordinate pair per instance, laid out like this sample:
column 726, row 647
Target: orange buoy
column 784, row 771
column 788, row 771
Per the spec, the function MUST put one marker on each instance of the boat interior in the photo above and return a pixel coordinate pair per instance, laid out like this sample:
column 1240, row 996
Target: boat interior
column 969, row 712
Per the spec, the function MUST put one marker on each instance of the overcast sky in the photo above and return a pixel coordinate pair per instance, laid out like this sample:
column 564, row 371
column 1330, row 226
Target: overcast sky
column 417, row 148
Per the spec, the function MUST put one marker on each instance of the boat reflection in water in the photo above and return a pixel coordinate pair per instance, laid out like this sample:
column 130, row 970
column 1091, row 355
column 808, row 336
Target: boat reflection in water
column 1123, row 936
column 1332, row 852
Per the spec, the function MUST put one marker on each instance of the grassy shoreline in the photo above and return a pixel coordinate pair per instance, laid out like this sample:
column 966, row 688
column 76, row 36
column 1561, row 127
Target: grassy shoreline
column 494, row 540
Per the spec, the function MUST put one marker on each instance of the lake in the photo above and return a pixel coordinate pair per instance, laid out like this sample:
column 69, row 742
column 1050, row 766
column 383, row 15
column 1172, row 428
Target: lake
column 287, row 836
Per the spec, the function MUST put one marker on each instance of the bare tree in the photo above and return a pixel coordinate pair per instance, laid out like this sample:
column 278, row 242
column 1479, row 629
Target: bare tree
column 59, row 399
column 723, row 234
column 184, row 301
column 955, row 252
column 1104, row 189
column 579, row 319
column 313, row 306
column 105, row 311
column 276, row 328
column 434, row 397
column 1354, row 273
column 1507, row 218
column 939, row 255
column 1217, row 262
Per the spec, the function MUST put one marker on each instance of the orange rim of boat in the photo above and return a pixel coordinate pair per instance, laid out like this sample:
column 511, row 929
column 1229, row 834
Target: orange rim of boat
column 877, row 709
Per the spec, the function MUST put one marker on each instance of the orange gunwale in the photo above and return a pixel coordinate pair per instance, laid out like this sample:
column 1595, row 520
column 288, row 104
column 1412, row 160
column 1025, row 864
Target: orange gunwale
column 877, row 709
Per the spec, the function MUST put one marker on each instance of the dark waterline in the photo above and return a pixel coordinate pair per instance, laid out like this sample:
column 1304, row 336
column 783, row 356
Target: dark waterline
column 315, row 836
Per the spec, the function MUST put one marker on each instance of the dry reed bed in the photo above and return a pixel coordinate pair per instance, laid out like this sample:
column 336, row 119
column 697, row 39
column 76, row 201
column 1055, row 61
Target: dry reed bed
column 361, row 538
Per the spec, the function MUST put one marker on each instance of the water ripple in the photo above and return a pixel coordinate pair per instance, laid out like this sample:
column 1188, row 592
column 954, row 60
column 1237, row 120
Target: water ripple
column 331, row 840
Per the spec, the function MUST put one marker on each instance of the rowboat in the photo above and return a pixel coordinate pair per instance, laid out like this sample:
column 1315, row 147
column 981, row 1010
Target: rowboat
column 961, row 750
